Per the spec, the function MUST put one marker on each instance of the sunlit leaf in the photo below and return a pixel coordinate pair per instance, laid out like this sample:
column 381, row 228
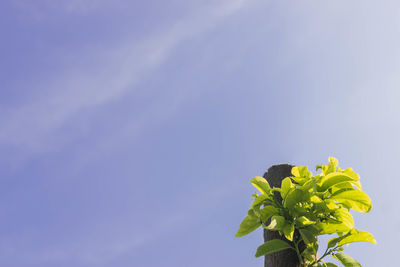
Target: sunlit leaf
column 334, row 178
column 301, row 171
column 357, row 236
column 331, row 167
column 350, row 172
column 342, row 185
column 330, row 204
column 315, row 199
column 330, row 228
column 358, row 200
column 261, row 184
column 345, row 217
column 286, row 185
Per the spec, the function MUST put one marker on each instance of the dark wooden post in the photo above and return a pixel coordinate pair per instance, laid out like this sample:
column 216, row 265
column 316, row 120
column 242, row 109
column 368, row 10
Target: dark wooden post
column 288, row 257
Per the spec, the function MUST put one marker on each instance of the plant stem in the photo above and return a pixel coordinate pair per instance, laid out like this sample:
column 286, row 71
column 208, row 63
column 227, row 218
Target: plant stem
column 326, row 253
column 296, row 245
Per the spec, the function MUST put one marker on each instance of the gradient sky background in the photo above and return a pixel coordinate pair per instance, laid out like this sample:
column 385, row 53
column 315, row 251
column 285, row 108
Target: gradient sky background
column 129, row 129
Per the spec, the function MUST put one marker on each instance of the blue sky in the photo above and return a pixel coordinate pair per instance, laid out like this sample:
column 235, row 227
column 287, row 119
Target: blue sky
column 129, row 129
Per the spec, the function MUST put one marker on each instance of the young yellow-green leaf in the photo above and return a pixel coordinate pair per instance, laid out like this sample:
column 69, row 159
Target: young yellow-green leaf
column 286, row 185
column 315, row 199
column 248, row 225
column 346, row 260
column 277, row 223
column 332, row 179
column 288, row 230
column 272, row 246
column 261, row 184
column 331, row 167
column 307, row 236
column 357, row 236
column 333, row 162
column 304, row 221
column 267, row 212
column 358, row 200
column 301, row 171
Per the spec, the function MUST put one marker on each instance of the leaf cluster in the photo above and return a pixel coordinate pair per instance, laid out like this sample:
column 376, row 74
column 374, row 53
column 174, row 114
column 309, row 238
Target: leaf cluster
column 311, row 206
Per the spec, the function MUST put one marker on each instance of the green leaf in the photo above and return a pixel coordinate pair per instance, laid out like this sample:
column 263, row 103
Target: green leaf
column 251, row 212
column 267, row 212
column 309, row 253
column 294, row 197
column 330, row 264
column 308, row 185
column 261, row 184
column 277, row 223
column 357, row 236
column 307, row 236
column 258, row 202
column 332, row 179
column 272, row 246
column 358, row 200
column 286, row 185
column 248, row 225
column 346, row 260
column 288, row 230
column 333, row 241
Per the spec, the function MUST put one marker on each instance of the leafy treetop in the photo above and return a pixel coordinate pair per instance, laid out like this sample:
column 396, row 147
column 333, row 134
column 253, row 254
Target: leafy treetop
column 311, row 206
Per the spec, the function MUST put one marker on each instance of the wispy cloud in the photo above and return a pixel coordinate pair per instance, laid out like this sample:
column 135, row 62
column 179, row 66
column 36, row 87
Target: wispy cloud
column 117, row 70
column 116, row 73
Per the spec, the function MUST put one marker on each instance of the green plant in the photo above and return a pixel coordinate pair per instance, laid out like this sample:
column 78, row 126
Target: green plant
column 310, row 206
